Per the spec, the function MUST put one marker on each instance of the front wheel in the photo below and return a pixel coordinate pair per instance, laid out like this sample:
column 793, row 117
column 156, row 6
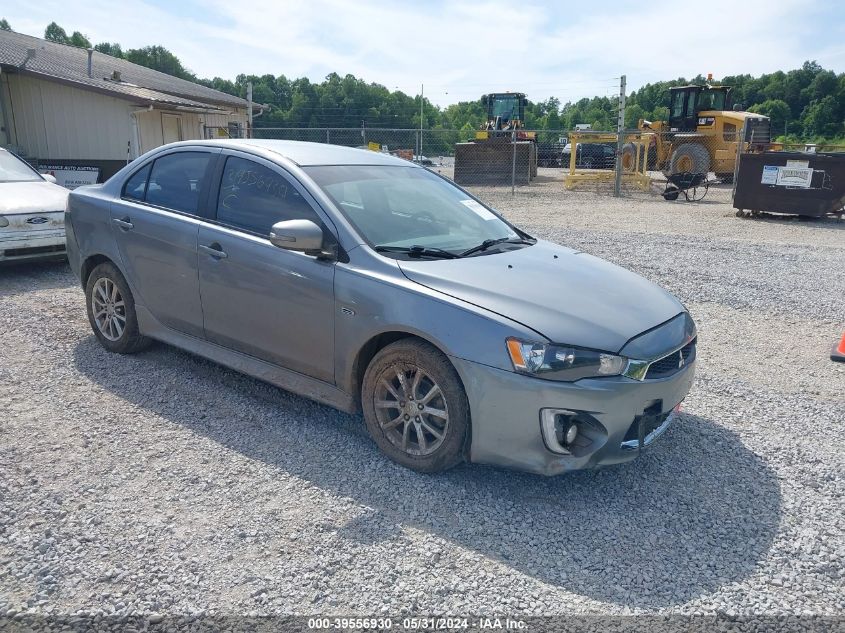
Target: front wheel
column 415, row 406
column 690, row 158
column 111, row 311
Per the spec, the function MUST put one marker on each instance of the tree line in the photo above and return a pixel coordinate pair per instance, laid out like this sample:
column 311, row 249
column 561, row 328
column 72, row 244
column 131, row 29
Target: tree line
column 804, row 104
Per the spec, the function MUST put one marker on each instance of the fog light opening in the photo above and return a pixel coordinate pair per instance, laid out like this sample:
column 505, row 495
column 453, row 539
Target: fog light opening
column 569, row 431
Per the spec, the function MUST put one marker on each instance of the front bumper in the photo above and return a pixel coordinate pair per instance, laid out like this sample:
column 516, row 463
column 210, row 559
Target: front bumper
column 25, row 245
column 506, row 413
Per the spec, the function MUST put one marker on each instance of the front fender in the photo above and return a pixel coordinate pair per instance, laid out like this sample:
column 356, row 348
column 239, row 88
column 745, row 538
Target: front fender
column 372, row 303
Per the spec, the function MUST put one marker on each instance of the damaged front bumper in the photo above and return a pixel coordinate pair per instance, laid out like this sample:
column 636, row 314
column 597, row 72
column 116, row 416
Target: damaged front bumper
column 616, row 417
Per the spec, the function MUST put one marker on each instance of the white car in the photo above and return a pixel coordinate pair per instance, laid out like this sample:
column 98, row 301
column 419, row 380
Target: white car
column 32, row 212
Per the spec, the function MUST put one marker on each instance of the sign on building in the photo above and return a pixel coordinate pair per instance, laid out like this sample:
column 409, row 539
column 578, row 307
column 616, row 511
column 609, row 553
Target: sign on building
column 72, row 176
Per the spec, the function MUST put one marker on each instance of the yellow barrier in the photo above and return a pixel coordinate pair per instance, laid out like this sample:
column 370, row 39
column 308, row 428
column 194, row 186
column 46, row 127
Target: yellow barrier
column 636, row 175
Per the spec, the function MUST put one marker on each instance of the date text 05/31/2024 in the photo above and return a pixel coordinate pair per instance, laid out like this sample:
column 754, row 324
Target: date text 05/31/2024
column 416, row 624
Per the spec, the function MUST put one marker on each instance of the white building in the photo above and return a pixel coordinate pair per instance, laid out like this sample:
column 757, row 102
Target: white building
column 67, row 106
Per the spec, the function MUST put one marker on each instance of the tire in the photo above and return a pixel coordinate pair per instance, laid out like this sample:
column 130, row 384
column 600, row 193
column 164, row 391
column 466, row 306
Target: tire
column 629, row 156
column 671, row 193
column 690, row 157
column 111, row 311
column 398, row 419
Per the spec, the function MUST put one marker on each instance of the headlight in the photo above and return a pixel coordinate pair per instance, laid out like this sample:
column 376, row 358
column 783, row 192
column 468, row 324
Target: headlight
column 562, row 362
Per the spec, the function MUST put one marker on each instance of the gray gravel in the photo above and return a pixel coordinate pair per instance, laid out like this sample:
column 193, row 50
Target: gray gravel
column 164, row 484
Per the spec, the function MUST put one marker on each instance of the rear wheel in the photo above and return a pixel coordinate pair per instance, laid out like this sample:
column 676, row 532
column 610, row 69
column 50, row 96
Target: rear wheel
column 415, row 406
column 690, row 158
column 111, row 311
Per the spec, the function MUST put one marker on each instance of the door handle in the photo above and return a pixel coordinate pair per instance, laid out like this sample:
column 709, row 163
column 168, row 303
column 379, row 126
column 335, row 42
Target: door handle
column 124, row 223
column 215, row 250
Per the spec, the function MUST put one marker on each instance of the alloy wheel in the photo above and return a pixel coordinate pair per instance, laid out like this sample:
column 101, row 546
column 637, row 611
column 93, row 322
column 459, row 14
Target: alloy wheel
column 108, row 308
column 411, row 409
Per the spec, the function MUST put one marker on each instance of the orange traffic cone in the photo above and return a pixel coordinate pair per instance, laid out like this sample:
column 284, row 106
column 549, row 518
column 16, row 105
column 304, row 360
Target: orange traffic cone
column 838, row 352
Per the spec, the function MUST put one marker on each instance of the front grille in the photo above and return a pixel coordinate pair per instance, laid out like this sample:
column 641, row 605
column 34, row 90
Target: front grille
column 672, row 364
column 759, row 131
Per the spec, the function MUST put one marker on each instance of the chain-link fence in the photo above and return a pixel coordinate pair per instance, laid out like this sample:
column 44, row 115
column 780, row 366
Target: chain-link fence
column 641, row 162
column 500, row 159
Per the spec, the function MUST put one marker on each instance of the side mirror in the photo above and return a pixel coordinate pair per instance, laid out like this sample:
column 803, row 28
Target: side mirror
column 298, row 235
column 49, row 178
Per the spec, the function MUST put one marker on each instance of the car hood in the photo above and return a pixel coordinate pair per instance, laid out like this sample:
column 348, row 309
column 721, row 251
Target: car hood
column 31, row 197
column 565, row 295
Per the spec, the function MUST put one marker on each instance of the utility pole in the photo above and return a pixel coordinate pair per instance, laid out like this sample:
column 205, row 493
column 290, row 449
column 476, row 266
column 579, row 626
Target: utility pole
column 249, row 108
column 620, row 138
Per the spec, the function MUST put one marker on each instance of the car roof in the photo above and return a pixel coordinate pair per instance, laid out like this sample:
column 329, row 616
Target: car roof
column 307, row 154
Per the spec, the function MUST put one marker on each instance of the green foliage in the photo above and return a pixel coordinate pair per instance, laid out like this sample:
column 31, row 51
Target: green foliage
column 78, row 39
column 807, row 102
column 161, row 59
column 55, row 33
column 109, row 49
column 4, row 25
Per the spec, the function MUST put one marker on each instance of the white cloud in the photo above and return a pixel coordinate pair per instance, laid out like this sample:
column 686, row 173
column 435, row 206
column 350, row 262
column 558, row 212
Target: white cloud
column 463, row 48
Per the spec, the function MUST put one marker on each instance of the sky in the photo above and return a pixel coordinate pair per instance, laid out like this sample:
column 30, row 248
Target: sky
column 460, row 49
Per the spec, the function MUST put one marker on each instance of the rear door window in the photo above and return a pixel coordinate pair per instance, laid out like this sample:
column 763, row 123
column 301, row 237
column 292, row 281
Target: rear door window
column 254, row 197
column 176, row 181
column 136, row 187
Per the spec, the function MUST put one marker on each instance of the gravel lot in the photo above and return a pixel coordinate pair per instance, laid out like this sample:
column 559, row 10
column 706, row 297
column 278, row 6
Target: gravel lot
column 162, row 484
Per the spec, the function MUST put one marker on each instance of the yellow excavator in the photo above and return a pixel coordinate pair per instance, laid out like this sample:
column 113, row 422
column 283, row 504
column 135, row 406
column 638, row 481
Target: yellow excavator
column 501, row 150
column 701, row 134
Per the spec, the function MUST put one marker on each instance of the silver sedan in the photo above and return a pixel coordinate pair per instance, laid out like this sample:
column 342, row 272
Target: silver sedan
column 374, row 285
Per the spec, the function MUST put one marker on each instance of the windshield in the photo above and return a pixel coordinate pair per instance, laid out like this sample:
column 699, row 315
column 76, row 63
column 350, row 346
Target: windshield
column 408, row 206
column 13, row 169
column 506, row 107
column 711, row 100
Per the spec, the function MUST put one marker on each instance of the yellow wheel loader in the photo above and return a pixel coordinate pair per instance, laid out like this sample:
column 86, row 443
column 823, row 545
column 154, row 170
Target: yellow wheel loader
column 501, row 150
column 701, row 135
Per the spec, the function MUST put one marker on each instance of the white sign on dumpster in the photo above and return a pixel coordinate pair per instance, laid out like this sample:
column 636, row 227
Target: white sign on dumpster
column 770, row 175
column 794, row 177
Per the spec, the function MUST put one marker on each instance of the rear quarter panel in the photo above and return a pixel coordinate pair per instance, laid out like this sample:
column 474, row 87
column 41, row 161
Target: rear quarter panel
column 89, row 228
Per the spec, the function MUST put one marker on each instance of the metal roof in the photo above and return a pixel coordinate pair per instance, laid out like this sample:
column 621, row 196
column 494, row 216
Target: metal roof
column 69, row 64
column 308, row 154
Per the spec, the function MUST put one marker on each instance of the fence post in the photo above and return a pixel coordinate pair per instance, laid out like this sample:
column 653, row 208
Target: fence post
column 620, row 138
column 513, row 163
column 739, row 143
column 328, row 139
column 422, row 93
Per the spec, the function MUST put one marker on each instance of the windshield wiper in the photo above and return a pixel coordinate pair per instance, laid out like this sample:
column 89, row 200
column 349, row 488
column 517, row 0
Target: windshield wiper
column 417, row 251
column 490, row 243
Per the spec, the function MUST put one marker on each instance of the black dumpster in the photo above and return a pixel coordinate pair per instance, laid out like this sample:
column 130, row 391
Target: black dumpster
column 796, row 183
